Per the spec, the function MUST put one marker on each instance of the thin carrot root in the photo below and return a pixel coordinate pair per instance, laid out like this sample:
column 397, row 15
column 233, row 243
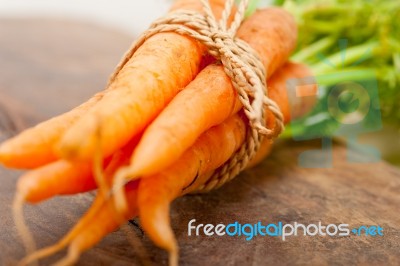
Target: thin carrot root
column 22, row 195
column 48, row 251
column 104, row 178
column 62, row 170
column 71, row 258
column 105, row 220
column 101, row 219
column 42, row 253
column 61, row 173
column 22, row 228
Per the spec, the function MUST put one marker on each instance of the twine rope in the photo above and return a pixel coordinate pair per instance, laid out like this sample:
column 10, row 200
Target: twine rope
column 241, row 63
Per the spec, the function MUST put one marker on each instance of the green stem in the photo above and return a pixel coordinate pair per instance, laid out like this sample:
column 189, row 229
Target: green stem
column 313, row 49
column 349, row 74
column 346, row 57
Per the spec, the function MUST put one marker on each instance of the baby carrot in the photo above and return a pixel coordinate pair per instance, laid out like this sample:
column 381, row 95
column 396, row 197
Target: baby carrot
column 65, row 177
column 58, row 178
column 210, row 98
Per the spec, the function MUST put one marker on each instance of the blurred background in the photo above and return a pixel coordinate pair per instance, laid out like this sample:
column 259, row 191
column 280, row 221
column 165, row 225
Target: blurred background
column 128, row 16
column 52, row 49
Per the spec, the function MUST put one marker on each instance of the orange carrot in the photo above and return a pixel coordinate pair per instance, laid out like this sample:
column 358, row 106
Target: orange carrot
column 158, row 191
column 103, row 223
column 61, row 178
column 58, row 178
column 196, row 165
column 210, row 98
column 38, row 186
column 34, row 147
column 299, row 71
column 158, row 70
column 154, row 197
column 100, row 220
column 66, row 177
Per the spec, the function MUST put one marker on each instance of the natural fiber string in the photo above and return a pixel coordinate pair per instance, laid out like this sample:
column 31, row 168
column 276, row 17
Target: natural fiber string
column 242, row 65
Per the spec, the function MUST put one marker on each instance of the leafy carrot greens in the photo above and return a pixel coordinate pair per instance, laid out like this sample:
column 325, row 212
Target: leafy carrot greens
column 341, row 41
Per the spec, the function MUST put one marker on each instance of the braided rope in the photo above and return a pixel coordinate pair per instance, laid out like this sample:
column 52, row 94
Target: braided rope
column 242, row 65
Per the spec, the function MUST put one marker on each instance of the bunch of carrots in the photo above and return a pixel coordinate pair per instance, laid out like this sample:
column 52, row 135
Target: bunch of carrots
column 168, row 119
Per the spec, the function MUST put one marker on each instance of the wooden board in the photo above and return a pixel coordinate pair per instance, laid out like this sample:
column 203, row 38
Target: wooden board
column 50, row 66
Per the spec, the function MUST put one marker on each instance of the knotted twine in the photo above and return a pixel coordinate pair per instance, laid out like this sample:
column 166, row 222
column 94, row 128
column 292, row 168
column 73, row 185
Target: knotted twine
column 242, row 65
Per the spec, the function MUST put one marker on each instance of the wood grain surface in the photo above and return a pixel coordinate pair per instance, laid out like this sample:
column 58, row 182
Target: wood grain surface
column 49, row 66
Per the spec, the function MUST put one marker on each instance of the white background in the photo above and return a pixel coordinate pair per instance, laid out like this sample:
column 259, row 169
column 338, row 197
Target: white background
column 129, row 16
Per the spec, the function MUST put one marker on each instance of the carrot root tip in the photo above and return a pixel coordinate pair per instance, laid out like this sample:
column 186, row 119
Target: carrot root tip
column 71, row 258
column 173, row 257
column 120, row 180
column 42, row 253
column 47, row 251
column 22, row 228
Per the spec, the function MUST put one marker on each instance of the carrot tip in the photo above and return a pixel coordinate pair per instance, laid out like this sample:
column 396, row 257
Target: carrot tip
column 5, row 154
column 120, row 180
column 42, row 253
column 120, row 202
column 173, row 257
column 71, row 258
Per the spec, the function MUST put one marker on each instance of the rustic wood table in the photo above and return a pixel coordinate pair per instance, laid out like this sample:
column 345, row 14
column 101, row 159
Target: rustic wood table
column 50, row 66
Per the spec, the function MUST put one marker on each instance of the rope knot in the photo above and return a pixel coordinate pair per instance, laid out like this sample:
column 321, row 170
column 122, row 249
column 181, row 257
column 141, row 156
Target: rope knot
column 219, row 35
